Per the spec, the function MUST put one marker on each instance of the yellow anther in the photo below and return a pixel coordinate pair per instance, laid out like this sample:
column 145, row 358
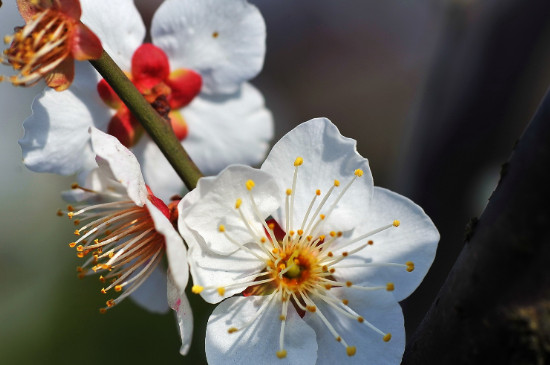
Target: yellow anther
column 271, row 226
column 111, row 254
column 250, row 184
column 77, row 232
column 197, row 289
column 238, row 203
column 358, row 173
column 396, row 223
column 339, row 339
column 360, row 319
column 317, row 192
column 349, row 283
column 118, row 287
column 101, row 278
column 8, row 39
column 325, row 268
column 70, row 215
column 332, row 270
column 322, row 237
column 309, row 238
column 232, row 330
column 102, row 310
column 336, row 183
column 263, row 240
column 76, row 222
column 105, row 266
column 299, row 161
column 281, row 354
column 332, row 234
column 74, row 186
column 390, row 287
column 322, row 216
column 110, row 303
column 282, row 266
column 330, row 254
column 70, row 208
column 221, row 291
column 221, row 228
column 370, row 242
column 291, row 233
column 72, row 244
column 387, row 337
column 410, row 266
column 275, row 250
column 351, row 350
column 328, row 286
column 288, row 191
column 59, row 213
column 345, row 254
column 339, row 234
column 80, row 248
column 345, row 301
column 282, row 317
column 79, row 269
column 300, row 232
column 311, row 308
column 103, row 291
column 80, row 254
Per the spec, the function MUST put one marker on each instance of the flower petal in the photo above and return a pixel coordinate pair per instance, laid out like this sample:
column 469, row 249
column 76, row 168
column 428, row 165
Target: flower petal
column 369, row 344
column 218, row 207
column 180, row 304
column 152, row 293
column 62, row 76
column 237, row 129
column 70, row 8
column 327, row 156
column 414, row 240
column 258, row 343
column 122, row 164
column 85, row 45
column 56, row 134
column 118, row 25
column 149, row 62
column 223, row 40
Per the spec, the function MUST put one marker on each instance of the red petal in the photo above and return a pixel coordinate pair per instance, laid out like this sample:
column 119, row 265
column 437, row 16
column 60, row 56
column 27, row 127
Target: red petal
column 185, row 85
column 62, row 76
column 71, row 8
column 159, row 204
column 277, row 230
column 85, row 45
column 150, row 62
column 125, row 128
column 178, row 124
column 27, row 9
column 108, row 95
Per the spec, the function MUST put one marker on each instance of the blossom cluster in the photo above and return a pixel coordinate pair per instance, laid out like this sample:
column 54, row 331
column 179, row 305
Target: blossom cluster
column 307, row 259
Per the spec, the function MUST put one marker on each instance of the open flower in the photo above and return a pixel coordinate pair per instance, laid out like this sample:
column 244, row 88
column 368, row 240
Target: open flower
column 194, row 73
column 309, row 258
column 123, row 233
column 46, row 47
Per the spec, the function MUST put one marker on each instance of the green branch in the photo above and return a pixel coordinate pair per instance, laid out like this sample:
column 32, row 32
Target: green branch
column 156, row 126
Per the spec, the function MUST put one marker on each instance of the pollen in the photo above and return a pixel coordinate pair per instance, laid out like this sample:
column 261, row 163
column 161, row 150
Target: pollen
column 281, row 354
column 238, row 203
column 358, row 173
column 317, row 192
column 390, row 287
column 59, row 213
column 299, row 161
column 110, row 303
column 300, row 232
column 118, row 288
column 351, row 350
column 345, row 301
column 360, row 319
column 410, row 266
column 387, row 337
column 282, row 317
column 221, row 291
column 336, row 183
column 322, row 216
column 232, row 330
column 349, row 283
column 396, row 223
column 221, row 228
column 197, row 289
column 250, row 184
column 311, row 308
column 72, row 244
column 288, row 191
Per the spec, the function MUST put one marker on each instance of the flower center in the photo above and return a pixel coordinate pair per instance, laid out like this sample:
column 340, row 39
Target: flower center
column 38, row 47
column 166, row 91
column 120, row 243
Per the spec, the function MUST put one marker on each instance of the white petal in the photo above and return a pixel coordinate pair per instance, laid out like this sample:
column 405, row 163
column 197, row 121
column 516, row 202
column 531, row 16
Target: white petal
column 211, row 270
column 157, row 171
column 151, row 294
column 176, row 252
column 258, row 343
column 414, row 240
column 118, row 25
column 116, row 159
column 371, row 349
column 226, row 130
column 180, row 304
column 223, row 40
column 218, row 207
column 56, row 134
column 327, row 156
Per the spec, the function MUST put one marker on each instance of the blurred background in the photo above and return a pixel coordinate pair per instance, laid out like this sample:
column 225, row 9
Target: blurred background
column 435, row 92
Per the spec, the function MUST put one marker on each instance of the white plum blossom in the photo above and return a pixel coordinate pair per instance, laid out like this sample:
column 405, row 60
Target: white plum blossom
column 124, row 231
column 308, row 259
column 194, row 73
